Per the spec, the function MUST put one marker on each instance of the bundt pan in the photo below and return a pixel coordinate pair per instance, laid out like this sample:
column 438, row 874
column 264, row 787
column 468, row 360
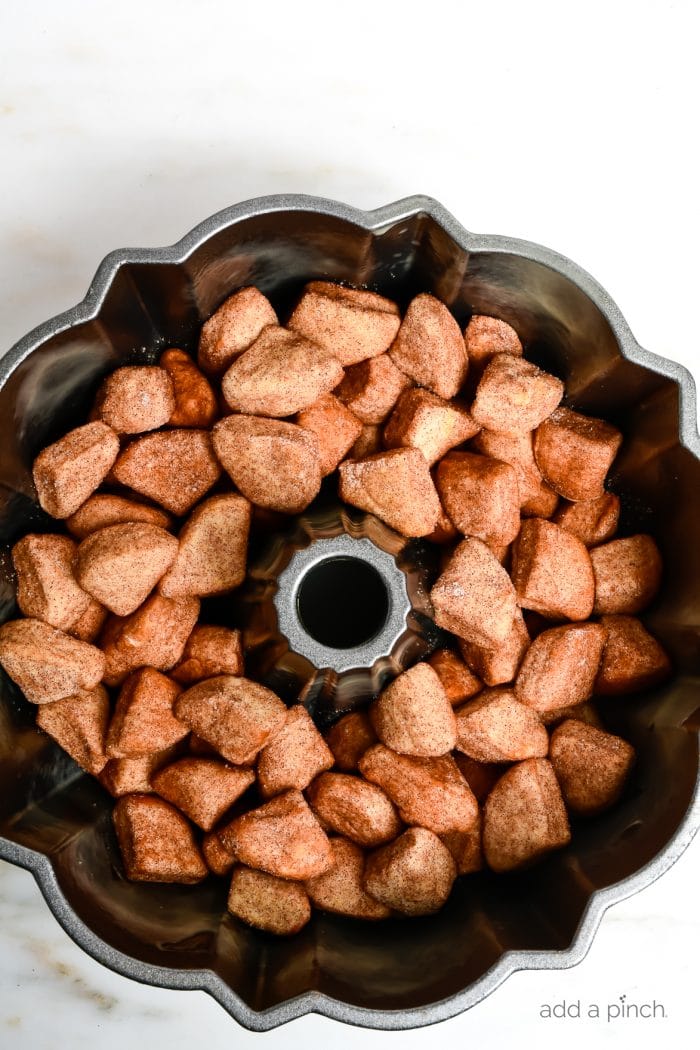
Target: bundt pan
column 55, row 821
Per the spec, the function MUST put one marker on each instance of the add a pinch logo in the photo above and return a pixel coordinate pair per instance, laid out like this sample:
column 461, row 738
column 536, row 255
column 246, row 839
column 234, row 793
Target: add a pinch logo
column 620, row 1009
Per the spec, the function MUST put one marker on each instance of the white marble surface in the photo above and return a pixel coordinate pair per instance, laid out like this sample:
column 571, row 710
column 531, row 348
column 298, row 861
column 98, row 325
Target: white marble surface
column 572, row 126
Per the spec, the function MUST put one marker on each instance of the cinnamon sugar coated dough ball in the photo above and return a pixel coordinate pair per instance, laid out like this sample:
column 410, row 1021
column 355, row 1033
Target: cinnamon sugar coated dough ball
column 627, row 575
column 70, row 470
column 633, row 659
column 591, row 765
column 514, row 396
column 209, row 651
column 268, row 903
column 156, row 842
column 46, row 585
column 368, row 443
column 293, row 756
column 173, row 467
column 499, row 663
column 353, row 808
column 552, row 572
column 560, row 667
column 496, row 727
column 153, row 636
column 485, row 337
column 213, row 546
column 430, row 792
column 371, row 389
column 104, row 509
column 203, row 788
column 121, row 564
column 232, row 328
column 335, row 428
column 515, row 449
column 79, row 724
column 340, row 889
column 219, row 860
column 413, row 715
column 480, row 495
column 429, row 347
column 465, row 847
column 524, row 816
column 349, row 323
column 594, row 521
column 281, row 837
column 275, row 465
column 136, row 398
column 195, row 400
column 425, row 421
column 235, row 715
column 143, row 719
column 47, row 664
column 280, row 374
column 349, row 738
column 474, row 597
column 457, row 680
column 413, row 875
column 575, row 452
column 396, row 486
column 129, row 776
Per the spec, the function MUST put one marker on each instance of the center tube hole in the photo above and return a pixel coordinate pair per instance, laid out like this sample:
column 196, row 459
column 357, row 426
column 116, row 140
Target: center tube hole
column 342, row 602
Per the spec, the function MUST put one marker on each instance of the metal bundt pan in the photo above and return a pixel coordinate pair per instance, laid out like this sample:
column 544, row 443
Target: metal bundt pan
column 56, row 821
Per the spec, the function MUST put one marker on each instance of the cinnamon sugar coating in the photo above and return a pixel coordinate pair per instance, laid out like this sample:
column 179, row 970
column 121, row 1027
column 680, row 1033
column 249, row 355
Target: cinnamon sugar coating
column 79, row 724
column 153, row 636
column 293, row 756
column 280, row 374
column 560, row 667
column 480, row 495
column 465, row 847
column 372, row 388
column 485, row 337
column 209, row 651
column 235, row 715
column 413, row 714
column 413, row 875
column 274, row 464
column 135, row 399
column 591, row 765
column 498, row 664
column 281, row 837
column 143, row 721
column 474, row 597
column 46, row 585
column 173, row 467
column 354, row 808
column 425, row 421
column 195, row 400
column 496, row 727
column 514, row 396
column 218, row 859
column 340, row 889
column 128, row 776
column 627, row 575
column 430, row 792
column 232, row 328
column 552, row 571
column 429, row 347
column 335, row 428
column 48, row 664
column 212, row 549
column 349, row 323
column 633, row 659
column 396, row 486
column 524, row 816
column 267, row 902
column 575, row 452
column 103, row 509
column 121, row 564
column 156, row 842
column 203, row 788
column 70, row 470
column 349, row 738
column 594, row 521
column 457, row 679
